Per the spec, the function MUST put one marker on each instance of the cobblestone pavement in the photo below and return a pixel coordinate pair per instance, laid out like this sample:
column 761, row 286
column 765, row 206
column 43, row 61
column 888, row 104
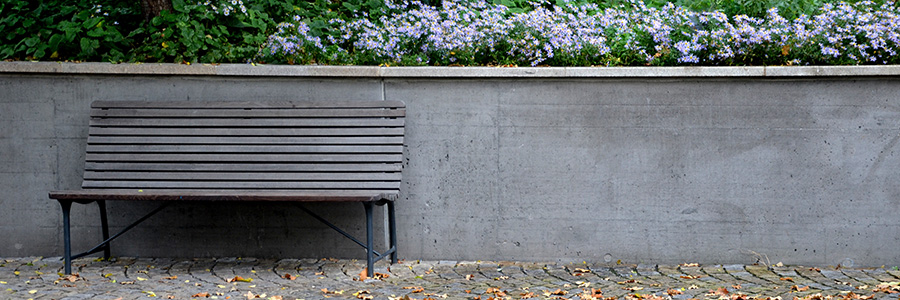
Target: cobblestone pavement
column 249, row 278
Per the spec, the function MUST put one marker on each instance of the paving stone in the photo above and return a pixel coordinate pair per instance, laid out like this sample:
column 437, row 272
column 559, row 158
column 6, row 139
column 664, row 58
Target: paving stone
column 881, row 275
column 859, row 276
column 841, row 279
column 183, row 278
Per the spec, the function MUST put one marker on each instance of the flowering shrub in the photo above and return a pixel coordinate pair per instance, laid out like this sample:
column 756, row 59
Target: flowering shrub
column 475, row 32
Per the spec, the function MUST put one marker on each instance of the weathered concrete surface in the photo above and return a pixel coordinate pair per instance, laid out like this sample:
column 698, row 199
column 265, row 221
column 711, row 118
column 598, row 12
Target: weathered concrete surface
column 562, row 166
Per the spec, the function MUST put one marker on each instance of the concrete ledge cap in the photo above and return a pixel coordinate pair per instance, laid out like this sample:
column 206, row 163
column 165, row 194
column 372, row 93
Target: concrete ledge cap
column 440, row 72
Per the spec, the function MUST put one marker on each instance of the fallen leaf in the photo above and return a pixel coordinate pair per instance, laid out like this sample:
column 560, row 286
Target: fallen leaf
column 326, row 291
column 199, row 295
column 381, row 276
column 71, row 278
column 736, row 286
column 289, row 277
column 501, row 278
column 528, row 295
column 141, row 279
column 320, row 273
column 799, row 289
column 691, row 276
column 718, row 292
column 363, row 295
column 816, row 296
column 250, row 295
column 629, row 281
column 672, row 292
column 737, row 296
column 275, row 298
column 363, row 275
column 559, row 292
column 173, row 277
column 469, row 276
column 149, row 293
column 787, row 279
column 634, row 288
column 690, row 265
column 496, row 291
column 414, row 289
column 126, row 282
column 239, row 278
column 32, row 291
column 887, row 287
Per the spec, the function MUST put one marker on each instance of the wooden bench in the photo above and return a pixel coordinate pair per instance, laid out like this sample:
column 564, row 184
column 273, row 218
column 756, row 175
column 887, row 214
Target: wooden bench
column 349, row 151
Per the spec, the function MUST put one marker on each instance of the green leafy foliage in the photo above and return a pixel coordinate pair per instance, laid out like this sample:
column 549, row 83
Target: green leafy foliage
column 59, row 30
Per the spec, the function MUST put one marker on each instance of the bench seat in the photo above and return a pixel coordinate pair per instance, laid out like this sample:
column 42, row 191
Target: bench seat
column 217, row 195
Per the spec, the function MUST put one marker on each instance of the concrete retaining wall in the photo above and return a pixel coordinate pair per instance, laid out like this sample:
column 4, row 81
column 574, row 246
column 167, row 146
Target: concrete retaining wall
column 642, row 165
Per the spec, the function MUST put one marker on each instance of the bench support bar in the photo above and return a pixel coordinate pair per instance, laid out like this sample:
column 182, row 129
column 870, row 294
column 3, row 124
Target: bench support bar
column 104, row 245
column 372, row 256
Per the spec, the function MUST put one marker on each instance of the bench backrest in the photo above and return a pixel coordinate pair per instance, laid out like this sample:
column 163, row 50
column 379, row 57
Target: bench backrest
column 260, row 145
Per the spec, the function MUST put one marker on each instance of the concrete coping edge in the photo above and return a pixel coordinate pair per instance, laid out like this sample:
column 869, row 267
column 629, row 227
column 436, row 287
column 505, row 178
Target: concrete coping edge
column 439, row 72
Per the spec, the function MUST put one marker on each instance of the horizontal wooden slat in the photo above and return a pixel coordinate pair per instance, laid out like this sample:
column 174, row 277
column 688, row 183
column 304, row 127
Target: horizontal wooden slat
column 245, row 113
column 241, row 176
column 240, row 167
column 245, row 122
column 246, row 104
column 246, row 140
column 344, row 185
column 251, row 148
column 246, row 131
column 138, row 149
column 229, row 195
column 270, row 158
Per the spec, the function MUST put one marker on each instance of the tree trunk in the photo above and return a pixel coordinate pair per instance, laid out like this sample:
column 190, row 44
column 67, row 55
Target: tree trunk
column 152, row 8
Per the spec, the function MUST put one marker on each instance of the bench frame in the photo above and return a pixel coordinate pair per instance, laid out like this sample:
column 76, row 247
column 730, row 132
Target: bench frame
column 90, row 192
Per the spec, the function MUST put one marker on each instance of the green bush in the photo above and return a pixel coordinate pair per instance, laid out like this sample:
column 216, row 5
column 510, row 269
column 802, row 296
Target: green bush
column 61, row 30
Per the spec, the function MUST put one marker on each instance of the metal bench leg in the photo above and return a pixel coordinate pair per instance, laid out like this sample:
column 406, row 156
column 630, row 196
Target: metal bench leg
column 370, row 241
column 67, row 238
column 105, row 224
column 392, row 228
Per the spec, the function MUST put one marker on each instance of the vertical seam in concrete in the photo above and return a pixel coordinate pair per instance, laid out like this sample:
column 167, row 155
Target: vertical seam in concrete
column 56, row 144
column 384, row 208
column 383, row 97
column 497, row 193
column 59, row 230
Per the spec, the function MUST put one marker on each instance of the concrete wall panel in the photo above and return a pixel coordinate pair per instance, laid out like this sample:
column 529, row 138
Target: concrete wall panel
column 800, row 169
